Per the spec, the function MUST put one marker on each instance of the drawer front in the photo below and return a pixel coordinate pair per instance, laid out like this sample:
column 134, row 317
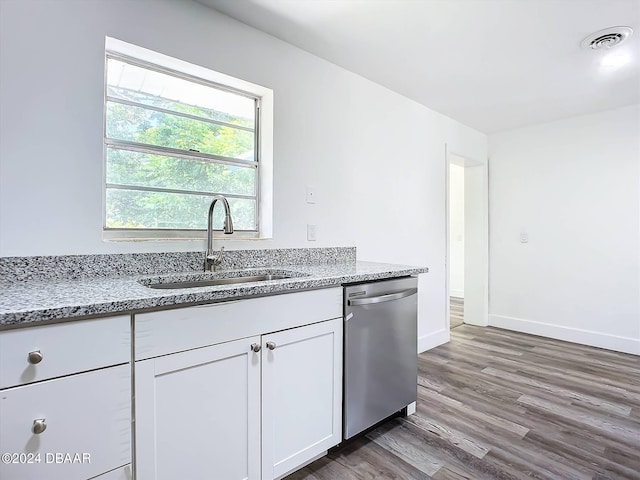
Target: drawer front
column 88, row 426
column 170, row 331
column 40, row 353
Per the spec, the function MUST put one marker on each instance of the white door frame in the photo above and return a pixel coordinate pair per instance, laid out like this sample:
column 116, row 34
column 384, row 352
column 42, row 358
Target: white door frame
column 477, row 304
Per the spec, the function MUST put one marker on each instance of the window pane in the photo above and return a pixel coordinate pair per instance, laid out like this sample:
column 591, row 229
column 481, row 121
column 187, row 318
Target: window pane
column 141, row 85
column 136, row 124
column 135, row 209
column 141, row 169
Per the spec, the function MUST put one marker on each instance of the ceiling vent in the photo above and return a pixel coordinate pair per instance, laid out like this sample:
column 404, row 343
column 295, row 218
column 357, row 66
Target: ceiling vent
column 607, row 38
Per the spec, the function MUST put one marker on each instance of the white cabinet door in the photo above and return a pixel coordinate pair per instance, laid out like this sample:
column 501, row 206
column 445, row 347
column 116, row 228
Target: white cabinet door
column 302, row 395
column 197, row 414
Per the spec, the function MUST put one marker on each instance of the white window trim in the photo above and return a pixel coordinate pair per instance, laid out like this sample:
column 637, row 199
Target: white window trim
column 265, row 148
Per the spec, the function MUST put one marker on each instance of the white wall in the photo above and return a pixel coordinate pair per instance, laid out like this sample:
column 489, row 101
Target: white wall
column 573, row 186
column 375, row 157
column 456, row 230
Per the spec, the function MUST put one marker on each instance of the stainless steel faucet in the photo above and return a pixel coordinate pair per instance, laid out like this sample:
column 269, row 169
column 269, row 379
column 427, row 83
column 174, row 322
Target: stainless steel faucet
column 213, row 259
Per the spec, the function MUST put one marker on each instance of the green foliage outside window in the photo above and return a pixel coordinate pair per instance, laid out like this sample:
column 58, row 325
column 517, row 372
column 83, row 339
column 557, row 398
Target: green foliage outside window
column 131, row 208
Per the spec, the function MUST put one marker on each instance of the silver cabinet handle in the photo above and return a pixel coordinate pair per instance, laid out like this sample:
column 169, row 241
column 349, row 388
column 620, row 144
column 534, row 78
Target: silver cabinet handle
column 383, row 298
column 271, row 345
column 39, row 426
column 35, row 357
column 256, row 347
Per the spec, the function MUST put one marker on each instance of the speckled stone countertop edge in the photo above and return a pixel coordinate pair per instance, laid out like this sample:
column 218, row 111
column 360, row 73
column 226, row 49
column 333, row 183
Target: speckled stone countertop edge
column 34, row 303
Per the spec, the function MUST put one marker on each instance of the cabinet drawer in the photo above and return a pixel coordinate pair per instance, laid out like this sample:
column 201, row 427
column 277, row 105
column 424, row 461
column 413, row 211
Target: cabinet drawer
column 88, row 426
column 64, row 349
column 169, row 331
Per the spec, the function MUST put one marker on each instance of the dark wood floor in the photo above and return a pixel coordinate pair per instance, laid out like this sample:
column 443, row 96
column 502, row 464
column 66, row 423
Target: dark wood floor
column 456, row 312
column 494, row 404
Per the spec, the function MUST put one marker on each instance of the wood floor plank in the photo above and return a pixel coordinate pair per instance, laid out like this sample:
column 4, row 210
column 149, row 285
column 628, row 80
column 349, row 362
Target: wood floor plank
column 513, row 455
column 625, row 459
column 490, row 347
column 606, row 426
column 536, row 423
column 606, row 388
column 501, row 405
column 370, row 460
column 326, row 468
column 602, row 467
column 554, row 389
column 559, row 345
column 451, row 473
column 404, row 444
column 506, row 427
column 455, row 457
column 453, row 436
column 526, row 460
column 586, row 363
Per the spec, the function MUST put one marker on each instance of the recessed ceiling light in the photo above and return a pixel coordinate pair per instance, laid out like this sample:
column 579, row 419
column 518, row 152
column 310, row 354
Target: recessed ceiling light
column 607, row 38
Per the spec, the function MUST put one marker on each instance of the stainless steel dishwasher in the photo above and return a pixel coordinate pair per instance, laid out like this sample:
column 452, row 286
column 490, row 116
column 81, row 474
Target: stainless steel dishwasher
column 380, row 351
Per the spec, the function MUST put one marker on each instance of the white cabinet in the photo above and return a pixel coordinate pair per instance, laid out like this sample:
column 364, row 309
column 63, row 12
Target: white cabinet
column 198, row 414
column 301, row 395
column 75, row 426
column 227, row 411
column 247, row 389
column 169, row 331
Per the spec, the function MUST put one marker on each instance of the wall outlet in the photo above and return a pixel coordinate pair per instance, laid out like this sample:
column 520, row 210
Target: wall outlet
column 311, row 194
column 524, row 237
column 311, row 232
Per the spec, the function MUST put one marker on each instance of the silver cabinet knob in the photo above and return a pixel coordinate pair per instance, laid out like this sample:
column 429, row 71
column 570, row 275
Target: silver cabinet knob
column 256, row 347
column 35, row 357
column 39, row 426
column 271, row 345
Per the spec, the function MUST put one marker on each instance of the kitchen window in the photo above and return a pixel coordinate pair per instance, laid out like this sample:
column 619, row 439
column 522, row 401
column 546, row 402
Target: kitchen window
column 173, row 140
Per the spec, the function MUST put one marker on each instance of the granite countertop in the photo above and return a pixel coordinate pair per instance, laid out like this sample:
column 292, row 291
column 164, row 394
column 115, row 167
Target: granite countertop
column 26, row 303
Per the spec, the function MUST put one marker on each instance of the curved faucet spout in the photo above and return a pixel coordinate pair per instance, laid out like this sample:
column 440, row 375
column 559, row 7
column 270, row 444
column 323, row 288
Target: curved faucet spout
column 213, row 259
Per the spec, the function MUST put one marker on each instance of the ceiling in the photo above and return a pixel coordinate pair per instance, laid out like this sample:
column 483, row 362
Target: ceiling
column 491, row 64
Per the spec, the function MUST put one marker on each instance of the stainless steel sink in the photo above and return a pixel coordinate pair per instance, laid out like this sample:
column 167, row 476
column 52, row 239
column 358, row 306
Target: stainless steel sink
column 209, row 279
column 216, row 281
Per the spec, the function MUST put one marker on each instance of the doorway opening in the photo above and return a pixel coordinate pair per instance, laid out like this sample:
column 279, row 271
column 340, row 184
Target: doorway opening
column 467, row 241
column 456, row 245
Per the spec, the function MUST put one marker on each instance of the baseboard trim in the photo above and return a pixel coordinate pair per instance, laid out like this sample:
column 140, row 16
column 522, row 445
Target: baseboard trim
column 574, row 335
column 456, row 293
column 431, row 340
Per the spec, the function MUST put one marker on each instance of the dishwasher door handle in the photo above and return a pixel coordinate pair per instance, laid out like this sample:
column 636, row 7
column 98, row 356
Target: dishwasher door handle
column 383, row 298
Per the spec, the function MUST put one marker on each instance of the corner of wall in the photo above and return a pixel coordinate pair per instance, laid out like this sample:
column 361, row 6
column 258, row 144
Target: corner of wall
column 433, row 339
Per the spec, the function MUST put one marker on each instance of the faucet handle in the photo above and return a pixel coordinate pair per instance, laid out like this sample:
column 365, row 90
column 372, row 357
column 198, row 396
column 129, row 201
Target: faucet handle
column 213, row 259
